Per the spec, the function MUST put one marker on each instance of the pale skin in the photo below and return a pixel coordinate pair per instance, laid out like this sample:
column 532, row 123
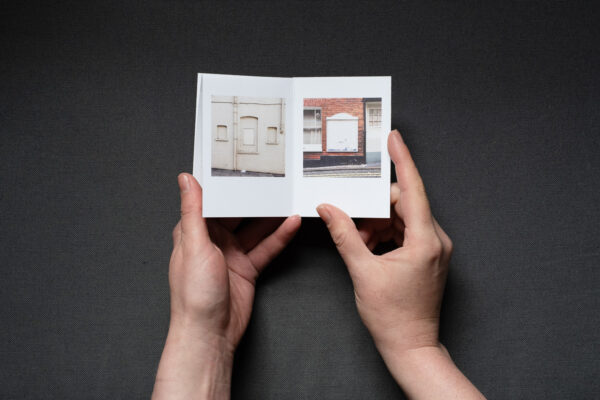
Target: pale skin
column 212, row 275
column 214, row 267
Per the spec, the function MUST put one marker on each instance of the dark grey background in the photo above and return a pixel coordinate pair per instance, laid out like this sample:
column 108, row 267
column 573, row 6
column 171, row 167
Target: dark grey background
column 499, row 104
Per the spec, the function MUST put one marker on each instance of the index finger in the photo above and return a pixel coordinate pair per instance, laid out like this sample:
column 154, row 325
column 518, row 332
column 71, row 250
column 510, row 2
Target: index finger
column 412, row 204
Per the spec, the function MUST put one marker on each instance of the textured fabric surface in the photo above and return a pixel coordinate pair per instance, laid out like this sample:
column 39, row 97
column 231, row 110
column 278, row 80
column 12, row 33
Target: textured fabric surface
column 499, row 104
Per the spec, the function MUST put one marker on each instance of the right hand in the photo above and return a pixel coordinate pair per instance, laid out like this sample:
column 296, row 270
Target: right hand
column 398, row 294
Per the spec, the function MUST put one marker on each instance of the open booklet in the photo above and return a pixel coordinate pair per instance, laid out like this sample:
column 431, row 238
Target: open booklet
column 282, row 146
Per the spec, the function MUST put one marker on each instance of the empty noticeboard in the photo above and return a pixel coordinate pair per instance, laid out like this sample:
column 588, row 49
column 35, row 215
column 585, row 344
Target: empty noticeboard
column 342, row 133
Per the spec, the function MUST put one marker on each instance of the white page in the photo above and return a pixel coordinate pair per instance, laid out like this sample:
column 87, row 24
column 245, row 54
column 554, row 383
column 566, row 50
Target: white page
column 243, row 194
column 357, row 196
column 274, row 182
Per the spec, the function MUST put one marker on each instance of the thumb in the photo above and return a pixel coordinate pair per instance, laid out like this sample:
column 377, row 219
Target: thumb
column 345, row 236
column 192, row 223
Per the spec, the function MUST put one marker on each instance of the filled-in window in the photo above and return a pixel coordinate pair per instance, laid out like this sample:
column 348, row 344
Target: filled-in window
column 222, row 133
column 271, row 135
column 374, row 117
column 248, row 139
column 249, row 134
column 312, row 129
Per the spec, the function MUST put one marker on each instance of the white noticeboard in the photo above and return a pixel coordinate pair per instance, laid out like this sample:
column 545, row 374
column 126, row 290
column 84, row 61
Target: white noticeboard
column 342, row 133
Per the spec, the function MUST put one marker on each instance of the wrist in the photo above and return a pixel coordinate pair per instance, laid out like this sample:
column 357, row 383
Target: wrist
column 202, row 335
column 411, row 367
column 429, row 372
column 195, row 363
column 402, row 357
column 405, row 336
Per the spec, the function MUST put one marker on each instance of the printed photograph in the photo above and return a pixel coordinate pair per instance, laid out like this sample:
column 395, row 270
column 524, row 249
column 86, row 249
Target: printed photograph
column 342, row 137
column 248, row 136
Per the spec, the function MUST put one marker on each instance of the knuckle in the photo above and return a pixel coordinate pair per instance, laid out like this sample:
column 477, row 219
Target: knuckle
column 431, row 251
column 436, row 247
column 449, row 246
column 176, row 232
column 395, row 191
column 339, row 237
column 277, row 243
column 420, row 187
column 190, row 208
column 282, row 237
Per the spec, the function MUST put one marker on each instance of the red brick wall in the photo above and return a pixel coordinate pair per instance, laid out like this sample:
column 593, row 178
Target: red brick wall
column 332, row 106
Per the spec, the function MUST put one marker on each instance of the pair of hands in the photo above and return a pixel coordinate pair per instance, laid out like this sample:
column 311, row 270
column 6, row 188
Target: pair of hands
column 215, row 264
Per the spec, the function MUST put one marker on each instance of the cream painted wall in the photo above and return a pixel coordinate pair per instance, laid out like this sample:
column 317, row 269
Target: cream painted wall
column 266, row 155
column 222, row 151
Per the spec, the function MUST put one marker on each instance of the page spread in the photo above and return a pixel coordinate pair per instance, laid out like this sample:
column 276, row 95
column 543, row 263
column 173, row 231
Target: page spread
column 282, row 146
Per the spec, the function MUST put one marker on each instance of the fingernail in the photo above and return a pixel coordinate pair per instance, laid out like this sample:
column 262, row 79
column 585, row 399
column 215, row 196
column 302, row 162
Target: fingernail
column 184, row 183
column 397, row 135
column 324, row 213
column 296, row 220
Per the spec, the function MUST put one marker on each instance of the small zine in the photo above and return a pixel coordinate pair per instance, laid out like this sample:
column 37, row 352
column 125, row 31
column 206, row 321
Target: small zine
column 272, row 147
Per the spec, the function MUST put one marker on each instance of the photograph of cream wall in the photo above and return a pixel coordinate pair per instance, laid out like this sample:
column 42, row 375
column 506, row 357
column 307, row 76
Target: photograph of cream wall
column 248, row 136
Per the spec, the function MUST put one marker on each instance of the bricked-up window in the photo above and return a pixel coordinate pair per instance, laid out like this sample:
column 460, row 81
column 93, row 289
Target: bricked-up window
column 248, row 135
column 272, row 135
column 312, row 129
column 222, row 133
column 374, row 117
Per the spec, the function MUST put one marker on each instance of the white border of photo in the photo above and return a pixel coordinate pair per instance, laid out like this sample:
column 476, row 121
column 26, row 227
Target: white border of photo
column 248, row 196
column 358, row 197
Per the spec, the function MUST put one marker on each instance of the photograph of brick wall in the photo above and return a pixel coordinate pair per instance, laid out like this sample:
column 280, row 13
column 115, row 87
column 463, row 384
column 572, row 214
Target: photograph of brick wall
column 342, row 137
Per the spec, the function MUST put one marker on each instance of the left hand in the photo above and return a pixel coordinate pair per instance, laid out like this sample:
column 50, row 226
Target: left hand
column 212, row 277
